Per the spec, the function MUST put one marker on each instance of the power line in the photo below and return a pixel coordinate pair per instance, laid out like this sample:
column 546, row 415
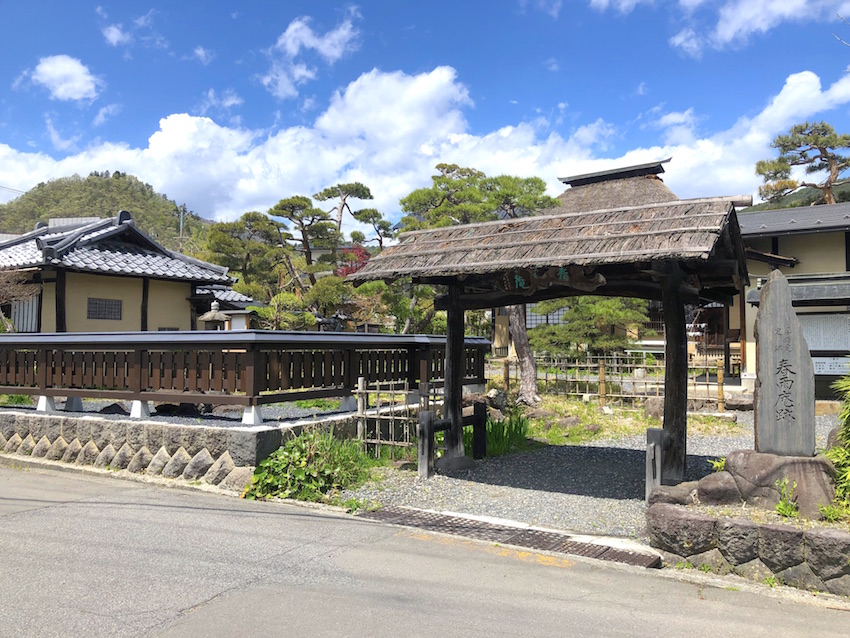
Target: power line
column 12, row 190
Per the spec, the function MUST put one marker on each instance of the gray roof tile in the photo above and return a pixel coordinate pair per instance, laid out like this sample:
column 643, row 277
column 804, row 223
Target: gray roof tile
column 106, row 247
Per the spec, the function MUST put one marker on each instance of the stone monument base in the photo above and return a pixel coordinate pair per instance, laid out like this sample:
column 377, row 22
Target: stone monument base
column 751, row 477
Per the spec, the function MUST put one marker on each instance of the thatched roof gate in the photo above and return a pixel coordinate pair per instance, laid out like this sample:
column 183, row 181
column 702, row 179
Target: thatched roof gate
column 679, row 251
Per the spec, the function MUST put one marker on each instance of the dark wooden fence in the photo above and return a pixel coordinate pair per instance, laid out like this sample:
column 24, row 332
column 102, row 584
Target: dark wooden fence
column 248, row 368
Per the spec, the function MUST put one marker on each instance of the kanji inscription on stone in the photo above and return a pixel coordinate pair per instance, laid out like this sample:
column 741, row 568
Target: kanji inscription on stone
column 785, row 382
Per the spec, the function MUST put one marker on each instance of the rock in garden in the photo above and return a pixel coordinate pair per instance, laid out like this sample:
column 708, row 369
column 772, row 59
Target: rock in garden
column 41, row 447
column 13, row 443
column 472, row 398
column 718, row 489
column 780, row 546
column 238, row 479
column 198, row 466
column 27, row 445
column 833, row 439
column 738, row 540
column 653, row 408
column 177, row 464
column 681, row 494
column 3, row 441
column 140, row 460
column 495, row 415
column 88, row 455
column 114, row 408
column 122, row 458
column 740, row 402
column 828, row 552
column 677, row 529
column 72, row 451
column 105, row 457
column 568, row 422
column 220, row 469
column 158, row 462
column 756, row 475
column 497, row 399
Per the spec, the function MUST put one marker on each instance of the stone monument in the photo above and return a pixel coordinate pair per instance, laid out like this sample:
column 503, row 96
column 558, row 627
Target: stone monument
column 785, row 381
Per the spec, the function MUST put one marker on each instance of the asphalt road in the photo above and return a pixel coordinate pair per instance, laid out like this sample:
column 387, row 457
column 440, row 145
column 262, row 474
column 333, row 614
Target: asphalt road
column 92, row 556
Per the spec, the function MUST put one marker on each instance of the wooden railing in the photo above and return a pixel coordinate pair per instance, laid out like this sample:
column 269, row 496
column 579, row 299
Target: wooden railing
column 248, row 368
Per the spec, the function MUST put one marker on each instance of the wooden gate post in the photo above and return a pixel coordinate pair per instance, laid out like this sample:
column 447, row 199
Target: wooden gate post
column 454, row 458
column 479, row 430
column 721, row 399
column 674, row 453
column 426, row 444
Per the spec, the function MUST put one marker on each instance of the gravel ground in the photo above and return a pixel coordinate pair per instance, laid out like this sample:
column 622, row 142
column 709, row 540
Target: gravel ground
column 596, row 488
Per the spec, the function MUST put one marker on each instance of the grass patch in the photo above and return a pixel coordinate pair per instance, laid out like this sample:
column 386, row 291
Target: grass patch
column 318, row 404
column 559, row 420
column 503, row 436
column 15, row 399
column 313, row 466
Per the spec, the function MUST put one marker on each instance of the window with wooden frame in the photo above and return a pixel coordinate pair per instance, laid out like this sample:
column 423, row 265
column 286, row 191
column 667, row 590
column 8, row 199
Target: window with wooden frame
column 109, row 309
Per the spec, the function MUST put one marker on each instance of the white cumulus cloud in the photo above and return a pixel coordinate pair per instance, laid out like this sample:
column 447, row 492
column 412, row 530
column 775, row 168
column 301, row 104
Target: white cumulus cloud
column 66, row 78
column 204, row 56
column 115, row 35
column 105, row 113
column 288, row 71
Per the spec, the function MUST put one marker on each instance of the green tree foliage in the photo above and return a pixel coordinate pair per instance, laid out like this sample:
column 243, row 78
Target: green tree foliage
column 513, row 197
column 455, row 197
column 382, row 227
column 329, row 294
column 103, row 195
column 284, row 311
column 311, row 227
column 342, row 193
column 255, row 251
column 812, row 145
column 588, row 323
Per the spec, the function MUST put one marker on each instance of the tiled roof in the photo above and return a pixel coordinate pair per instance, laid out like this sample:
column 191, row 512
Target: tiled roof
column 109, row 246
column 226, row 294
column 789, row 221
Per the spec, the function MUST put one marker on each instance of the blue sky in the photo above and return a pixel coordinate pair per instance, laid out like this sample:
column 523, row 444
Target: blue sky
column 229, row 107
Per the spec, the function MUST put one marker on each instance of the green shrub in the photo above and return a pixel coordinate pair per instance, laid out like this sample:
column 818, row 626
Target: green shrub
column 15, row 399
column 786, row 506
column 834, row 512
column 840, row 457
column 718, row 465
column 842, row 387
column 310, row 467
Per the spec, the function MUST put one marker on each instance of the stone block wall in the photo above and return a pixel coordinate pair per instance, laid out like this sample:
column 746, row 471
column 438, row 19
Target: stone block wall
column 218, row 456
column 816, row 559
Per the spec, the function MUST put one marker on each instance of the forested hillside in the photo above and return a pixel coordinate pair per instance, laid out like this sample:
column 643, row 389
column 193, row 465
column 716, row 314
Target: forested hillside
column 103, row 195
column 802, row 197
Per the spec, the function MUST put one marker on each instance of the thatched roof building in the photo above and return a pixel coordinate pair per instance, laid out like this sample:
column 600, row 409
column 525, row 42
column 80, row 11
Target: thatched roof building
column 629, row 186
column 608, row 252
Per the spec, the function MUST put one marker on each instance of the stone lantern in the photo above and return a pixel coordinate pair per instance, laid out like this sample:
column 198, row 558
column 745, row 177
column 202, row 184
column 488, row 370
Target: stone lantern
column 214, row 319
